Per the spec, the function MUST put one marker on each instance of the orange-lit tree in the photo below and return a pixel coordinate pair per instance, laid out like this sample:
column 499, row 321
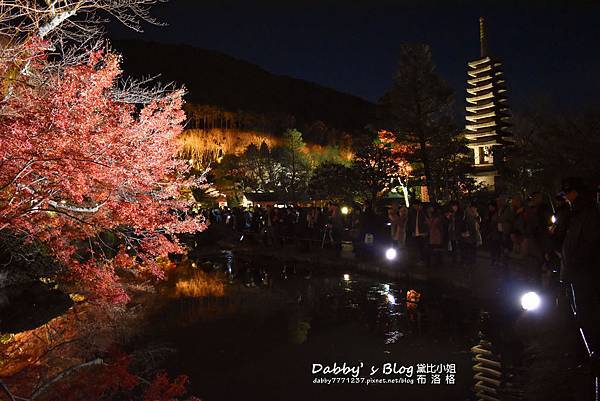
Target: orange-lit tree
column 382, row 165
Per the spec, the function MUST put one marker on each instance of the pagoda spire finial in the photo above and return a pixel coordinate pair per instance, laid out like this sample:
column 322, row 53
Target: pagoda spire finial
column 482, row 38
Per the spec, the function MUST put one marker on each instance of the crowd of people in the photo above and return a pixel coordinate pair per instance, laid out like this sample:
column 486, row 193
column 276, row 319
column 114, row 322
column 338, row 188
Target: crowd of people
column 525, row 232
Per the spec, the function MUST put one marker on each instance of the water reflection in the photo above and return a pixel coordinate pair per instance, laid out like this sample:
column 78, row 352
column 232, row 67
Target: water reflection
column 315, row 300
column 272, row 312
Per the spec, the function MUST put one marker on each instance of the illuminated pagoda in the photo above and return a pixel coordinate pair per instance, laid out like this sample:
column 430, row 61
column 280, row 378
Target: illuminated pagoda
column 487, row 114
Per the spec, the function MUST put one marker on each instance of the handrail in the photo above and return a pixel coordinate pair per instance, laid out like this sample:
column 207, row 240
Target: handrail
column 590, row 352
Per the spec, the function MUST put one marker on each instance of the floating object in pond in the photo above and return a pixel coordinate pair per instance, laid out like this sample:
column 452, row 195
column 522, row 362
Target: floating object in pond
column 393, row 337
column 412, row 298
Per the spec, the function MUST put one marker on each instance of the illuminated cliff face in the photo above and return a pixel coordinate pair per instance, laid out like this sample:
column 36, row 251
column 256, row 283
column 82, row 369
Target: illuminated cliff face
column 487, row 113
column 209, row 146
column 204, row 147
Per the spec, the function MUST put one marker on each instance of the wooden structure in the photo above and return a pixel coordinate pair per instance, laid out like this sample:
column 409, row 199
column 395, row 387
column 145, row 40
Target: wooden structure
column 487, row 128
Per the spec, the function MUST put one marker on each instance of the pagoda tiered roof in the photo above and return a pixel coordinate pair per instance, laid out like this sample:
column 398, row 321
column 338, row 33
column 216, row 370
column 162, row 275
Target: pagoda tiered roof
column 487, row 112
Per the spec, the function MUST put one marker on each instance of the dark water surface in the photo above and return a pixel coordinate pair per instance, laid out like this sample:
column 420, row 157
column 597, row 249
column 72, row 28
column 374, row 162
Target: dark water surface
column 260, row 341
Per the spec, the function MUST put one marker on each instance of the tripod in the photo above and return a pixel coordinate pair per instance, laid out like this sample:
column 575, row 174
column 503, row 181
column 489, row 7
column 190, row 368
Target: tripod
column 327, row 235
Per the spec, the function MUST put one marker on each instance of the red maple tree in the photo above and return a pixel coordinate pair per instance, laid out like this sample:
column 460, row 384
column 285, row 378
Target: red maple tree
column 399, row 152
column 78, row 165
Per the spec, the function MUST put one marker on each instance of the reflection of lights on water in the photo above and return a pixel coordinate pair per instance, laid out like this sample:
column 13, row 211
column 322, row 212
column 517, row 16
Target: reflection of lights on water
column 346, row 277
column 391, row 254
column 345, row 210
column 530, row 301
column 391, row 299
column 386, row 287
column 553, row 219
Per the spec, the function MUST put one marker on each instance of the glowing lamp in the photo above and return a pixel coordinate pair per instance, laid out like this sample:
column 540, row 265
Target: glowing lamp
column 553, row 219
column 391, row 254
column 530, row 301
column 346, row 277
column 345, row 210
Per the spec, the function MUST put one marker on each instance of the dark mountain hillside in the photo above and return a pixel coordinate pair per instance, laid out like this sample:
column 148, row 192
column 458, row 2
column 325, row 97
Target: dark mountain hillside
column 213, row 78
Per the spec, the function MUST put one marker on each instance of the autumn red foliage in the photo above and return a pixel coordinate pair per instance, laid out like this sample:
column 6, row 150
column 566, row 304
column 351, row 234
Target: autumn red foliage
column 76, row 164
column 400, row 152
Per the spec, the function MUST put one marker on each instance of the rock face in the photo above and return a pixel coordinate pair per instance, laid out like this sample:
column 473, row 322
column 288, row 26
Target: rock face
column 30, row 305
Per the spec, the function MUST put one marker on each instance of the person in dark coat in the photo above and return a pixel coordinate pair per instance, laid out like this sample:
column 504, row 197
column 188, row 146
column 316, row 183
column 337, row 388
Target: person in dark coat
column 581, row 257
column 455, row 223
column 417, row 226
column 493, row 236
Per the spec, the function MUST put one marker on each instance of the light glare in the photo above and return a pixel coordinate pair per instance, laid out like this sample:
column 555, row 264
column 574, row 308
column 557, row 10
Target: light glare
column 530, row 301
column 391, row 254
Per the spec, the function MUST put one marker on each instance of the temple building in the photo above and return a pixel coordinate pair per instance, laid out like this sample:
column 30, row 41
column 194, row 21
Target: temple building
column 487, row 128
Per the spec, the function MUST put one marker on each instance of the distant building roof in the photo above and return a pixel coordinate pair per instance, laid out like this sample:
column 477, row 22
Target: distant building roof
column 266, row 197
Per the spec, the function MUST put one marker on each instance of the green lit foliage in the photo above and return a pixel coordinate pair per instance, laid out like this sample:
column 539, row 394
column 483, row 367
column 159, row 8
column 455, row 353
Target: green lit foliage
column 296, row 166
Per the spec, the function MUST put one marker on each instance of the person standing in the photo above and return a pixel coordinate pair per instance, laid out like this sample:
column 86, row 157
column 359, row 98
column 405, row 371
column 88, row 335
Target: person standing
column 418, row 226
column 398, row 217
column 336, row 221
column 505, row 226
column 581, row 259
column 471, row 235
column 434, row 225
column 402, row 220
column 455, row 228
column 493, row 236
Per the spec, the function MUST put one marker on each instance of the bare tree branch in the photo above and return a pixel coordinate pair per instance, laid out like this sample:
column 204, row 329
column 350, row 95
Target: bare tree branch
column 62, row 375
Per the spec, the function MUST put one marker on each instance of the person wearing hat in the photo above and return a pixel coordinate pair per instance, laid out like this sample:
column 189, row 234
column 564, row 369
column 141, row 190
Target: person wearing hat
column 581, row 256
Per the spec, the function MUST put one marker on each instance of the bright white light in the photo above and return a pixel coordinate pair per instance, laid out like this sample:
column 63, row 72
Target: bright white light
column 391, row 299
column 530, row 301
column 553, row 219
column 346, row 277
column 345, row 210
column 386, row 287
column 193, row 264
column 391, row 254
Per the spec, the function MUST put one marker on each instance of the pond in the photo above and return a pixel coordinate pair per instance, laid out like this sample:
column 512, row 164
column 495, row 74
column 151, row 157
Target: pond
column 279, row 321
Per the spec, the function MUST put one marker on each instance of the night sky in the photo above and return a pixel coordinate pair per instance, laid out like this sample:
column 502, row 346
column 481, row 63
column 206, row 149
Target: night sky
column 550, row 53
